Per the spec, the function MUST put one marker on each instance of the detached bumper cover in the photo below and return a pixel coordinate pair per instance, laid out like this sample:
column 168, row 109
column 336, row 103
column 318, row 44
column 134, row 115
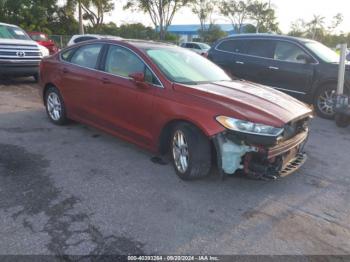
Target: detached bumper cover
column 267, row 162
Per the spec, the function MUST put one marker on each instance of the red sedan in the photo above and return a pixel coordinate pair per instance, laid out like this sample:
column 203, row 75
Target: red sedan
column 165, row 98
column 43, row 39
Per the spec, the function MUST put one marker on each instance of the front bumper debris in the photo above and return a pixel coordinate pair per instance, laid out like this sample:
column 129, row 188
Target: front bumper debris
column 257, row 161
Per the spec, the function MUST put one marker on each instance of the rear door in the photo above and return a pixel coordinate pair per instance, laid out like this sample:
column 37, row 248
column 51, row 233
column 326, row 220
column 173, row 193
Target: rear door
column 230, row 55
column 80, row 82
column 288, row 72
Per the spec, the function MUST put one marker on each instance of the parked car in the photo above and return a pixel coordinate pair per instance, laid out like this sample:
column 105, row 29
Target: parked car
column 81, row 38
column 19, row 54
column 166, row 98
column 43, row 39
column 303, row 68
column 200, row 48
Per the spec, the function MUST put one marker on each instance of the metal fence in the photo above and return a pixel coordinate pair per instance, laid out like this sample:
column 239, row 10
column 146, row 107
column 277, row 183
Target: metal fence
column 60, row 40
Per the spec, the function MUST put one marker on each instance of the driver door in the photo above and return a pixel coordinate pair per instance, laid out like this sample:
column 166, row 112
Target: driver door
column 125, row 107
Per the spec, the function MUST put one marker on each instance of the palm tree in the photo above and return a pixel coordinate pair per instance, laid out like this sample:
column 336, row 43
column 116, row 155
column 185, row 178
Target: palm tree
column 316, row 24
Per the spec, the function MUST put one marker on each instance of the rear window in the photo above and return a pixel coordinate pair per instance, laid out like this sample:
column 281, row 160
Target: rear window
column 84, row 38
column 233, row 46
column 39, row 37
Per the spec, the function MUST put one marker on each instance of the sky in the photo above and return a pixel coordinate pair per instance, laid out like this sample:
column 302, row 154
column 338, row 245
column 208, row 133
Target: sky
column 287, row 11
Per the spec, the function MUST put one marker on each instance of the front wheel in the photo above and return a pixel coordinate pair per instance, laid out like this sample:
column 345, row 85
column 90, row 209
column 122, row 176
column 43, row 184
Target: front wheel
column 191, row 152
column 324, row 101
column 55, row 107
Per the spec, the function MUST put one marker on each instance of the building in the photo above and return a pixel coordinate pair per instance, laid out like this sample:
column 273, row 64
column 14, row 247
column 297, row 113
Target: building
column 187, row 33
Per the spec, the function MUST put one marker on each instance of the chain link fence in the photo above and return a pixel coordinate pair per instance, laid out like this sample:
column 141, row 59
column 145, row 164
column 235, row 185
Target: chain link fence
column 60, row 40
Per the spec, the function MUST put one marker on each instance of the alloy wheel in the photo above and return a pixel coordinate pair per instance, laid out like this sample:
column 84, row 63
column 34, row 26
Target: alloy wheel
column 54, row 106
column 180, row 151
column 325, row 102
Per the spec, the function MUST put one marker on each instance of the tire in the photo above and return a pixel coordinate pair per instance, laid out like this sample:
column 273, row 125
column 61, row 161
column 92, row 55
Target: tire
column 342, row 120
column 55, row 107
column 197, row 146
column 324, row 101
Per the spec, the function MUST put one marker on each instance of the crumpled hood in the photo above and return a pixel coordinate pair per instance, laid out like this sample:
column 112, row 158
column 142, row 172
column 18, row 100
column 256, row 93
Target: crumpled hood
column 249, row 101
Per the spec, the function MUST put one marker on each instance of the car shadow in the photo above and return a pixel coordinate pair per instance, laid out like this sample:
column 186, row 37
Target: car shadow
column 6, row 81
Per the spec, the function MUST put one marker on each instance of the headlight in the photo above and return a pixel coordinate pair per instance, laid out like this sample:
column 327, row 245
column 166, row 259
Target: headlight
column 44, row 51
column 249, row 127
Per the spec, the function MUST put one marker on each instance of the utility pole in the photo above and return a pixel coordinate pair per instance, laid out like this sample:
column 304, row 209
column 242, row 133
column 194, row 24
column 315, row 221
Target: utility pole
column 81, row 26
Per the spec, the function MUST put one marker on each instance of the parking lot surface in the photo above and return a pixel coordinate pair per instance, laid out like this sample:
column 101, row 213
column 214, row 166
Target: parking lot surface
column 76, row 190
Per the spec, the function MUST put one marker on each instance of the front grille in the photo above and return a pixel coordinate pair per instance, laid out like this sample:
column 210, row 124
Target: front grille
column 20, row 52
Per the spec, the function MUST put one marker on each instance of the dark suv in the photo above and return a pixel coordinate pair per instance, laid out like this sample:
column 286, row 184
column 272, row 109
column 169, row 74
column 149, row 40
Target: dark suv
column 303, row 68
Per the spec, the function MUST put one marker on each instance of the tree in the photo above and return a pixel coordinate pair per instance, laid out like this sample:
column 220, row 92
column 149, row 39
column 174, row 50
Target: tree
column 161, row 12
column 203, row 9
column 297, row 28
column 237, row 11
column 337, row 21
column 316, row 26
column 94, row 10
column 212, row 33
column 263, row 16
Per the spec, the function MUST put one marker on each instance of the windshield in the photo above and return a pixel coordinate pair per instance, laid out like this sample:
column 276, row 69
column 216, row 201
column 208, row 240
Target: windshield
column 204, row 46
column 186, row 67
column 11, row 32
column 323, row 52
column 39, row 37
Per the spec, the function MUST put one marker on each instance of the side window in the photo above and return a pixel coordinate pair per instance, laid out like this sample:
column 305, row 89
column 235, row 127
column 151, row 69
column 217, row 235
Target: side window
column 66, row 55
column 195, row 46
column 83, row 38
column 189, row 45
column 122, row 62
column 87, row 55
column 289, row 52
column 261, row 48
column 233, row 46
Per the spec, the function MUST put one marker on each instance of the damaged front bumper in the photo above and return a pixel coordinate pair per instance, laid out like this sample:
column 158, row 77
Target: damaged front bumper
column 257, row 160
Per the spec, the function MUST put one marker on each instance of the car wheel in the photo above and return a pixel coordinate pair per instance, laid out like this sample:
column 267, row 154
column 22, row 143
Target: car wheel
column 342, row 120
column 191, row 152
column 55, row 108
column 324, row 101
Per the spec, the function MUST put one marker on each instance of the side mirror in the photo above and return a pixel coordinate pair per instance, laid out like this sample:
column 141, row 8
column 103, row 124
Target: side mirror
column 306, row 58
column 139, row 79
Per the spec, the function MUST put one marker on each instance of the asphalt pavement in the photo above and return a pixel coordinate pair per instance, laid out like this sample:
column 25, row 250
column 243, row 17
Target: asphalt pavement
column 76, row 190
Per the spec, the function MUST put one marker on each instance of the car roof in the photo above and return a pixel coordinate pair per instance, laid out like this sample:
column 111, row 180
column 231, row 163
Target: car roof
column 9, row 25
column 269, row 36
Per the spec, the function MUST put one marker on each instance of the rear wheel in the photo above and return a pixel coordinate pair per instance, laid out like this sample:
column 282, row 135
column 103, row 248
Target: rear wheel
column 324, row 101
column 191, row 152
column 55, row 107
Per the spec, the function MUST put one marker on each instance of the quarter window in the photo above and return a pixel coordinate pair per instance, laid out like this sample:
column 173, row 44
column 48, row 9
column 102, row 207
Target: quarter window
column 289, row 52
column 66, row 55
column 87, row 56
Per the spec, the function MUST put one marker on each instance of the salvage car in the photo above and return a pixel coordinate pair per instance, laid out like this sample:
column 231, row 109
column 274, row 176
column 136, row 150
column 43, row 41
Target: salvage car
column 303, row 68
column 166, row 98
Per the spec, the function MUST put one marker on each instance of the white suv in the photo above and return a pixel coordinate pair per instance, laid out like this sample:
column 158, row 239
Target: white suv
column 19, row 54
column 81, row 38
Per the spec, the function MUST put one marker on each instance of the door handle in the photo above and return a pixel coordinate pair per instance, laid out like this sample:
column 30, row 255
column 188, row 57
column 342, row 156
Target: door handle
column 105, row 81
column 65, row 70
column 240, row 62
column 273, row 68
